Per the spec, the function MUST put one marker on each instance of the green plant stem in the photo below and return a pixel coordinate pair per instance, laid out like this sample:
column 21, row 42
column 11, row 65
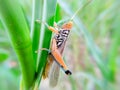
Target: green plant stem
column 14, row 21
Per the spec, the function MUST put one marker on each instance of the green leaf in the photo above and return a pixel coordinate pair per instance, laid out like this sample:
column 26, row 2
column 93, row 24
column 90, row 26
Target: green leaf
column 37, row 7
column 15, row 23
column 48, row 15
column 114, row 49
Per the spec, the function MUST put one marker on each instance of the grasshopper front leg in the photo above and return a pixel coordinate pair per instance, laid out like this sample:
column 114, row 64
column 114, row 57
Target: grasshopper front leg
column 49, row 27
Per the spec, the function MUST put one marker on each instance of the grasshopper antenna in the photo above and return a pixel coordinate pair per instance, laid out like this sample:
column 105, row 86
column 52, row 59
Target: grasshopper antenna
column 79, row 9
column 43, row 23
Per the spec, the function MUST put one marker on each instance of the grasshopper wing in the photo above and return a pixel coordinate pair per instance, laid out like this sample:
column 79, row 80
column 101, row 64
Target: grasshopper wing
column 54, row 74
column 55, row 69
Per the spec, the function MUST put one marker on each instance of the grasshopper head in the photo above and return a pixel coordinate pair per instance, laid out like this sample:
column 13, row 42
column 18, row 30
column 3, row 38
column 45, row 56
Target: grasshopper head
column 68, row 25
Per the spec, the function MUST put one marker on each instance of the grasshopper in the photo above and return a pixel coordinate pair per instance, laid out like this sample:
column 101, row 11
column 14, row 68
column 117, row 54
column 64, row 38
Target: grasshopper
column 57, row 46
column 55, row 60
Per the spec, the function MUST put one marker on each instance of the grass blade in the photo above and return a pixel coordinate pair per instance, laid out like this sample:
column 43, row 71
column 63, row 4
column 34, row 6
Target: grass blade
column 35, row 26
column 48, row 15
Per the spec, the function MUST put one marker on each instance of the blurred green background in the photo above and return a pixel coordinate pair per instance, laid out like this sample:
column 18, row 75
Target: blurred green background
column 92, row 51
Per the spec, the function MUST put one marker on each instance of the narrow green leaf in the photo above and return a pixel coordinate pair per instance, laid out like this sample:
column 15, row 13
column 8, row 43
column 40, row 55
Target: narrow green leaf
column 113, row 52
column 35, row 26
column 58, row 15
column 48, row 16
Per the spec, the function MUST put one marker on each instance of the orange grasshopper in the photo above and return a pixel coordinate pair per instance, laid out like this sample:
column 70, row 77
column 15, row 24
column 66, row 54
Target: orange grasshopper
column 57, row 46
column 55, row 60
